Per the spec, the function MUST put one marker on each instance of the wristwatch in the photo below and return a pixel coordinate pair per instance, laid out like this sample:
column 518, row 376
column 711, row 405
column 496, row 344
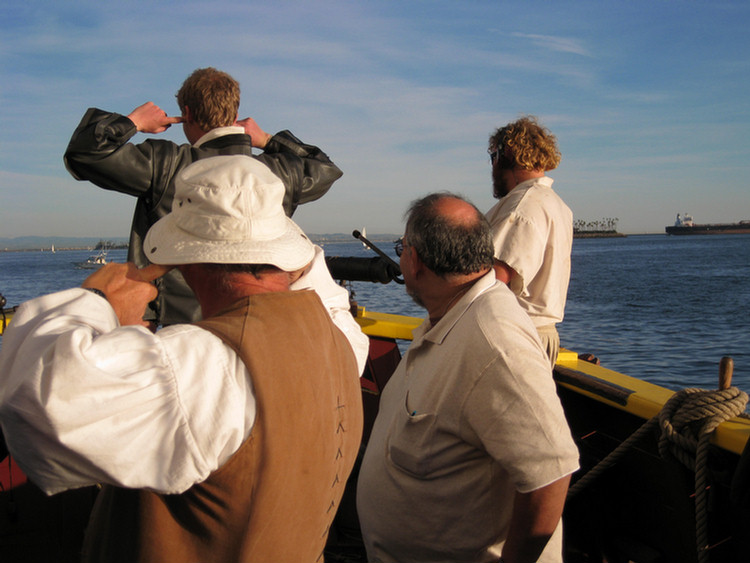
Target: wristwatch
column 98, row 292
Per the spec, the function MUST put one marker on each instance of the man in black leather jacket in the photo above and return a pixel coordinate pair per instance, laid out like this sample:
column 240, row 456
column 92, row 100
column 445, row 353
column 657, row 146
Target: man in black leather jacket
column 99, row 151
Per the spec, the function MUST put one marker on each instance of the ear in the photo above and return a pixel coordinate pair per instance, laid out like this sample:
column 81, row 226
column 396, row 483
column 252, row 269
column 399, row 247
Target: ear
column 418, row 267
column 297, row 274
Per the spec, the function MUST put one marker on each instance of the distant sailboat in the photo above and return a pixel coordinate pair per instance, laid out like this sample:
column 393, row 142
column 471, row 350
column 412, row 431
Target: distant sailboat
column 53, row 249
column 364, row 234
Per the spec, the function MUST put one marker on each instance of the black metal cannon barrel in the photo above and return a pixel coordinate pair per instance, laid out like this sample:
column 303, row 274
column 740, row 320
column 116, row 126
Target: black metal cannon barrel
column 352, row 268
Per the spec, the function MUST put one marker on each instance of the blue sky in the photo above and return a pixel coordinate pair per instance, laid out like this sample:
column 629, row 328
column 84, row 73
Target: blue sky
column 648, row 99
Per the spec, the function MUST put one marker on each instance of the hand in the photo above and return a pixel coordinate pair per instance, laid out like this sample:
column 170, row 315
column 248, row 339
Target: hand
column 587, row 357
column 150, row 118
column 259, row 137
column 127, row 288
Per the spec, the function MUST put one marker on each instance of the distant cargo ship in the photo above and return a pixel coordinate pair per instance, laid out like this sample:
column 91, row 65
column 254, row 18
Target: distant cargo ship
column 684, row 225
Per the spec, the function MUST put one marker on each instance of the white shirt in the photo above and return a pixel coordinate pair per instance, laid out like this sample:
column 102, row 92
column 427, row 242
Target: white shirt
column 336, row 300
column 532, row 231
column 84, row 400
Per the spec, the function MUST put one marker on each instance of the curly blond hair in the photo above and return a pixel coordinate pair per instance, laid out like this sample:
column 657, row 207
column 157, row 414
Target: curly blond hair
column 527, row 145
column 212, row 96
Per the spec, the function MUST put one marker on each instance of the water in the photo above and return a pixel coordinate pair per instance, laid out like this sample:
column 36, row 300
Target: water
column 665, row 309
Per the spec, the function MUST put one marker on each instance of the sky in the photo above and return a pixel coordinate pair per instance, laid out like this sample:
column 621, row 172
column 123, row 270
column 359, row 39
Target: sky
column 649, row 100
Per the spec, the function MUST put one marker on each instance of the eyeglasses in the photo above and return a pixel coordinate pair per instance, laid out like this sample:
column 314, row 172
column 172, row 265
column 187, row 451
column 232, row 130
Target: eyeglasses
column 399, row 247
column 494, row 156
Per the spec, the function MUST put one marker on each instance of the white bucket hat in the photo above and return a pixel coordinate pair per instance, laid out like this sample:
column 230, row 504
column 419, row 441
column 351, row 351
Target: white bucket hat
column 228, row 210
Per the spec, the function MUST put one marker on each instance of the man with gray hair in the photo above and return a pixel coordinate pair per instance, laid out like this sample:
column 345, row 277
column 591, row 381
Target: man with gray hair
column 470, row 455
column 227, row 440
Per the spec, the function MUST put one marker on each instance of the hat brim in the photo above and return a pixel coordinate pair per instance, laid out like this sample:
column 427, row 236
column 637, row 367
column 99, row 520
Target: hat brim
column 167, row 244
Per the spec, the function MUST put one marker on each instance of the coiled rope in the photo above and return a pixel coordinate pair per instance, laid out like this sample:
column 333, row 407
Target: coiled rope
column 687, row 421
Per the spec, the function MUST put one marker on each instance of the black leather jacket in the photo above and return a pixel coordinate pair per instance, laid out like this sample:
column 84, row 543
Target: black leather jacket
column 99, row 151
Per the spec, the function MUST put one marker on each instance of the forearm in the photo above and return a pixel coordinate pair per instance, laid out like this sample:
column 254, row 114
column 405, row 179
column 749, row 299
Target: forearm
column 503, row 272
column 84, row 401
column 47, row 332
column 98, row 135
column 99, row 152
column 310, row 168
column 536, row 515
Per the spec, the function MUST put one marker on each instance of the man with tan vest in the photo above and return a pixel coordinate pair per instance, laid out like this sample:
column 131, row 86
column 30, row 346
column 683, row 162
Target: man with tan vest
column 228, row 440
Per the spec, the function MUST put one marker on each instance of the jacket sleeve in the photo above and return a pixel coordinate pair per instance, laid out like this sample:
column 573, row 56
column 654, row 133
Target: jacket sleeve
column 99, row 152
column 306, row 171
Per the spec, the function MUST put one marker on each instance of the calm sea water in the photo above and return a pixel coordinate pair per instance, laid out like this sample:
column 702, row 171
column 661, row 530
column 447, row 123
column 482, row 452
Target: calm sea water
column 665, row 309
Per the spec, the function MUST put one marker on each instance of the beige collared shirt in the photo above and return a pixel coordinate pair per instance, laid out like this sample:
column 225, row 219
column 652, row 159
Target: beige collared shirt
column 532, row 231
column 470, row 416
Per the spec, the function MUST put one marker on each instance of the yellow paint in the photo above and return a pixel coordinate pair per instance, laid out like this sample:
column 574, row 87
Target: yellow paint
column 645, row 402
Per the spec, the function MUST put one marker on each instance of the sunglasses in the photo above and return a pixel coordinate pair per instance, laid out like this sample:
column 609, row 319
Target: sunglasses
column 399, row 247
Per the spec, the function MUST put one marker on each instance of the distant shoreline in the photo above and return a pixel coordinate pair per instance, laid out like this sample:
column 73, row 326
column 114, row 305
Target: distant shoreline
column 598, row 234
column 45, row 244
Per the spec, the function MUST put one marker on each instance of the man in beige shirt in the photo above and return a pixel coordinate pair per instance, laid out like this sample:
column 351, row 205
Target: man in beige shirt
column 470, row 455
column 532, row 228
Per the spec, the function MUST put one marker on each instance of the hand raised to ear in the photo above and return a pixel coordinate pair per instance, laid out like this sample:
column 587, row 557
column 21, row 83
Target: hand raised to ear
column 150, row 118
column 127, row 289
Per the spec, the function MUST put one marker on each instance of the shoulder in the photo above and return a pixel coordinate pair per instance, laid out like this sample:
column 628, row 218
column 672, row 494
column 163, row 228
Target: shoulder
column 497, row 311
column 494, row 321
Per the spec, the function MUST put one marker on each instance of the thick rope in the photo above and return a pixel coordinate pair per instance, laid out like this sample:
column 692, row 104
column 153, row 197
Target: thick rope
column 687, row 421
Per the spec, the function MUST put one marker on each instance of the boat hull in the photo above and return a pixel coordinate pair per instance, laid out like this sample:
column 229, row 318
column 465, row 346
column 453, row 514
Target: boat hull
column 712, row 229
column 641, row 509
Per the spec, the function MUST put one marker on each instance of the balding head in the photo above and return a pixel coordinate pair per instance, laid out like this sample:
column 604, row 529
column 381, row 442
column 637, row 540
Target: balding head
column 450, row 235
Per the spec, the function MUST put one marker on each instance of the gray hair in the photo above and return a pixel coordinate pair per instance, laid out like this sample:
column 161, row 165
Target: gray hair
column 447, row 246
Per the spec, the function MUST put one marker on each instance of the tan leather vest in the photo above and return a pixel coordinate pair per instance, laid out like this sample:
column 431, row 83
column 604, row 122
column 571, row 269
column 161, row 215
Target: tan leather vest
column 275, row 498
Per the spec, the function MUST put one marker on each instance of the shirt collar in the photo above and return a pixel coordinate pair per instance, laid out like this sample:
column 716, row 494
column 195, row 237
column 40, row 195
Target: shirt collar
column 543, row 181
column 218, row 132
column 437, row 333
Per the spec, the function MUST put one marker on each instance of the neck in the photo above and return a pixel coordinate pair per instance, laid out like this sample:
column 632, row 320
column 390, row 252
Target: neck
column 217, row 290
column 447, row 294
column 521, row 175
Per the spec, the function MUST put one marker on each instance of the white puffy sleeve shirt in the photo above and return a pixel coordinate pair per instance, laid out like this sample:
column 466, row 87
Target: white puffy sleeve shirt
column 84, row 400
column 336, row 301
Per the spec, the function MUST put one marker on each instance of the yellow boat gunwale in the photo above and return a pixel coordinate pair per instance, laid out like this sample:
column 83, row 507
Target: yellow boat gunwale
column 5, row 317
column 645, row 399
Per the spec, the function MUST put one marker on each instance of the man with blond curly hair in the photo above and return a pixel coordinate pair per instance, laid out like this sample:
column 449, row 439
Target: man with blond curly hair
column 532, row 227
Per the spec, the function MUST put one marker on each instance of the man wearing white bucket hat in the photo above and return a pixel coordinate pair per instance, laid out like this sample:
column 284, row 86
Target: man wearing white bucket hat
column 229, row 440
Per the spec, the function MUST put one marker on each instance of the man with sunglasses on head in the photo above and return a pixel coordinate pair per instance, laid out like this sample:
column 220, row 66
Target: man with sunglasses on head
column 532, row 228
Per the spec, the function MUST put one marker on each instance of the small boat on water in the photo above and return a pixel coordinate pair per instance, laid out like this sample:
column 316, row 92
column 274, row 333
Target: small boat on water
column 684, row 225
column 93, row 262
column 664, row 478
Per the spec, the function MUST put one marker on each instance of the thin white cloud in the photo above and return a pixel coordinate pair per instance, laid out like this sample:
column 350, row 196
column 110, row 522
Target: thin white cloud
column 556, row 44
column 402, row 99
